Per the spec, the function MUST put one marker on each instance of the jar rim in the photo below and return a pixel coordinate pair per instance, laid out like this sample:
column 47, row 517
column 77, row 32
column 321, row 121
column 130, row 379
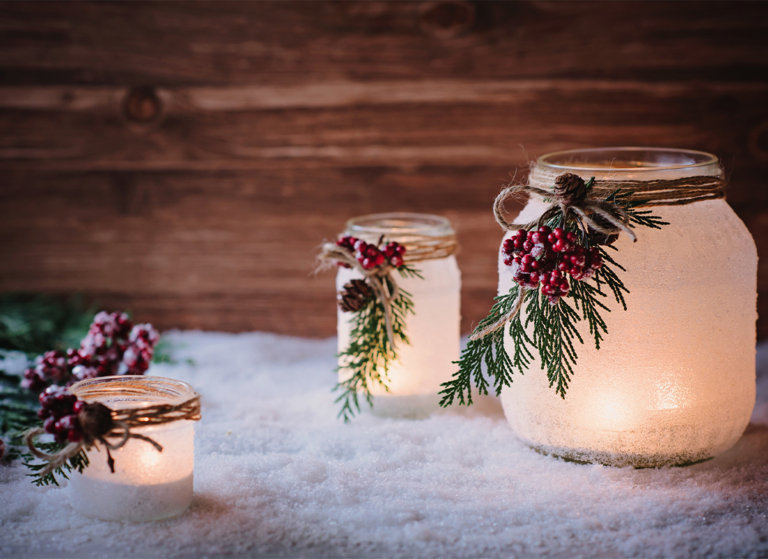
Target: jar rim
column 132, row 391
column 398, row 224
column 635, row 159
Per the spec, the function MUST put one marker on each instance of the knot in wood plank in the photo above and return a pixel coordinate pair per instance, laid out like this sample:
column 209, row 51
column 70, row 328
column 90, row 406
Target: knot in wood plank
column 142, row 105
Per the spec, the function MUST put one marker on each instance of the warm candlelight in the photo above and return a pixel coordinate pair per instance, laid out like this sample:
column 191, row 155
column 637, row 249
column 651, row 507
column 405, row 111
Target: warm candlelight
column 674, row 381
column 147, row 484
column 414, row 378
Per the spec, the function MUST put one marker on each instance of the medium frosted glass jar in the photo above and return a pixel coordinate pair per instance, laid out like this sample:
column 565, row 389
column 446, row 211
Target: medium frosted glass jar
column 674, row 380
column 414, row 379
column 147, row 484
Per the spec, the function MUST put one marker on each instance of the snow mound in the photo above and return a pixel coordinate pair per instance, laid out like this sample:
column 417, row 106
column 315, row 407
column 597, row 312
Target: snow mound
column 276, row 474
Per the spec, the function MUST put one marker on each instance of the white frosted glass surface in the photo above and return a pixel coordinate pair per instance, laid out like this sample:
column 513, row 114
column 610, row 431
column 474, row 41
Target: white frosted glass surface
column 146, row 485
column 674, row 380
column 414, row 379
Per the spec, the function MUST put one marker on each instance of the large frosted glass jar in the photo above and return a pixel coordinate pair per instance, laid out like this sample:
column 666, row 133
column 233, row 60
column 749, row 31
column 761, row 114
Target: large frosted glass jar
column 147, row 484
column 674, row 380
column 414, row 379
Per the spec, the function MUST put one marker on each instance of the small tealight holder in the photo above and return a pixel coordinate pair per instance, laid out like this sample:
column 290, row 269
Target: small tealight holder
column 147, row 483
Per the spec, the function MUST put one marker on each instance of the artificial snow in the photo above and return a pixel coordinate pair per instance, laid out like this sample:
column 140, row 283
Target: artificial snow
column 276, row 474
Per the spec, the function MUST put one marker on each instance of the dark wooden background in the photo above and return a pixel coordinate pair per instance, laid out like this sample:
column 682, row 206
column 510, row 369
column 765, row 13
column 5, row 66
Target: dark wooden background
column 184, row 159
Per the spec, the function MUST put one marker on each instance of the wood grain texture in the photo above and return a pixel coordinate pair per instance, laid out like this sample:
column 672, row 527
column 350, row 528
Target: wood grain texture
column 185, row 159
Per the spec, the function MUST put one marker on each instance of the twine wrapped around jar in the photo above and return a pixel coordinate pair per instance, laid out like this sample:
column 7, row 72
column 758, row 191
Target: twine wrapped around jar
column 597, row 200
column 100, row 423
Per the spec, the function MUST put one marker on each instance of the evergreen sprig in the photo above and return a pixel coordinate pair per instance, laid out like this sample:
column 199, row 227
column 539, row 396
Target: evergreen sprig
column 35, row 323
column 488, row 350
column 369, row 352
column 553, row 327
column 77, row 463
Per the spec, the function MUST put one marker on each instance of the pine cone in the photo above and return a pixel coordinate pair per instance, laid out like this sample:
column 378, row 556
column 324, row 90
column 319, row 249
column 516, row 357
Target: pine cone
column 570, row 189
column 355, row 296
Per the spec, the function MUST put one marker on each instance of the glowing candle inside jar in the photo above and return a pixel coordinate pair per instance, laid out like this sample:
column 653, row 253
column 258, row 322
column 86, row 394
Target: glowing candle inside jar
column 414, row 378
column 147, row 484
column 674, row 379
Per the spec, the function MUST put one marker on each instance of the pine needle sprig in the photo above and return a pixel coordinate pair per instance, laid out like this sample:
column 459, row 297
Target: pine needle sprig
column 553, row 326
column 75, row 464
column 554, row 331
column 523, row 344
column 643, row 218
column 369, row 352
column 407, row 271
column 16, row 417
column 607, row 275
column 585, row 295
column 490, row 351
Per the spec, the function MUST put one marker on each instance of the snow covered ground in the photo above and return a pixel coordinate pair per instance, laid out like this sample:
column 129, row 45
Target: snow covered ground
column 276, row 474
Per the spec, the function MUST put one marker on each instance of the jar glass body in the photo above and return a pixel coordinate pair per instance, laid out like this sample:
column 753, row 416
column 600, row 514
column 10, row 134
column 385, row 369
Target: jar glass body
column 414, row 378
column 147, row 484
column 674, row 379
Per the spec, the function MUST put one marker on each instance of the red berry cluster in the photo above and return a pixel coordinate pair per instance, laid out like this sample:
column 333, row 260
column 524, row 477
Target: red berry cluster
column 113, row 346
column 139, row 351
column 59, row 414
column 52, row 366
column 370, row 256
column 546, row 257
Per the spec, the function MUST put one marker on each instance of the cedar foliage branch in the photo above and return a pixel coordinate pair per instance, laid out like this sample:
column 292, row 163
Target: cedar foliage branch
column 369, row 352
column 75, row 464
column 554, row 327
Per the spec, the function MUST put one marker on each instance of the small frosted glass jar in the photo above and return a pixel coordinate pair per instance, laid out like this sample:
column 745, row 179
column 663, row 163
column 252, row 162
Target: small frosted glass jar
column 147, row 484
column 674, row 379
column 414, row 378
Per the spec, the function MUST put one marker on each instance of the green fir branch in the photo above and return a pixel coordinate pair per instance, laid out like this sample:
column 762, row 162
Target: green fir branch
column 554, row 330
column 553, row 326
column 407, row 271
column 75, row 464
column 585, row 295
column 369, row 352
column 35, row 323
column 643, row 218
column 489, row 351
column 607, row 275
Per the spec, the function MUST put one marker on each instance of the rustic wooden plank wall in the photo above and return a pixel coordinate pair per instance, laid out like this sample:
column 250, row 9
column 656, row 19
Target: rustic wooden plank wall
column 184, row 159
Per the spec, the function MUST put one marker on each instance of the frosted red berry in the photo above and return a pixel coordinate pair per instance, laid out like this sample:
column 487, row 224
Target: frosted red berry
column 547, row 258
column 49, row 425
column 59, row 414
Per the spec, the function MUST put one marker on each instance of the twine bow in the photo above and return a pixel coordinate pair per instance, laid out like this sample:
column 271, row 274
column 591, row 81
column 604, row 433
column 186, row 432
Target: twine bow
column 418, row 248
column 379, row 278
column 99, row 424
column 598, row 209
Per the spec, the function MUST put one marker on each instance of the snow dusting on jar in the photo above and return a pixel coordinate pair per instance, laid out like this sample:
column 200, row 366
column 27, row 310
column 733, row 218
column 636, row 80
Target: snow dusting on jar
column 674, row 379
column 414, row 378
column 147, row 484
